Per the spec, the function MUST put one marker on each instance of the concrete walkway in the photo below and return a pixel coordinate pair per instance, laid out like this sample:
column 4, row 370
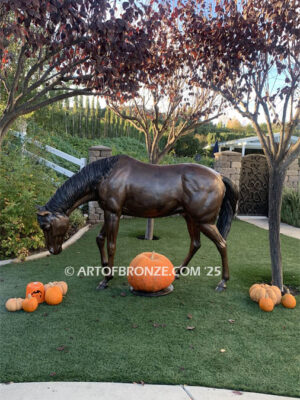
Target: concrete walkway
column 263, row 222
column 121, row 391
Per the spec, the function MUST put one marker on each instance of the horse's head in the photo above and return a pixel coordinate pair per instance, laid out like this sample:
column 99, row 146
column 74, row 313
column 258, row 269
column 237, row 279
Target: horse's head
column 54, row 226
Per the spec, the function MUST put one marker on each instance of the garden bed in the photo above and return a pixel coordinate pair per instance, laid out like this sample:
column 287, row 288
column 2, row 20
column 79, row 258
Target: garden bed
column 112, row 335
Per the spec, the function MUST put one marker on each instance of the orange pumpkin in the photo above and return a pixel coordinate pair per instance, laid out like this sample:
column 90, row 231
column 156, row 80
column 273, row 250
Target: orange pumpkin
column 30, row 304
column 53, row 296
column 288, row 301
column 36, row 289
column 266, row 303
column 61, row 284
column 150, row 272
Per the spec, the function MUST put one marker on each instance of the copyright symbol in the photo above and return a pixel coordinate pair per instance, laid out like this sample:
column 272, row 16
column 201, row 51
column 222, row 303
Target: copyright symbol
column 69, row 271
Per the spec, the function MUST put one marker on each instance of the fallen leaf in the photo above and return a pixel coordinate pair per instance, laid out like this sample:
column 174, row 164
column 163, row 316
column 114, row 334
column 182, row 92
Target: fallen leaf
column 60, row 348
column 191, row 346
column 142, row 383
column 237, row 392
column 155, row 325
column 222, row 351
column 123, row 294
column 232, row 321
column 52, row 373
column 189, row 316
column 182, row 368
column 163, row 325
column 134, row 325
column 190, row 328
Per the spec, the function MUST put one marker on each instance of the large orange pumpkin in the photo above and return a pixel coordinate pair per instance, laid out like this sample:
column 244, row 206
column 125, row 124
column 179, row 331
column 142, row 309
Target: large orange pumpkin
column 150, row 272
column 37, row 290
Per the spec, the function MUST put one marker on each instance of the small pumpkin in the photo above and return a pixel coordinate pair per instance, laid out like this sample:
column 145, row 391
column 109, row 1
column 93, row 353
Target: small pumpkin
column 61, row 284
column 288, row 301
column 151, row 272
column 53, row 295
column 30, row 304
column 36, row 289
column 266, row 303
column 14, row 304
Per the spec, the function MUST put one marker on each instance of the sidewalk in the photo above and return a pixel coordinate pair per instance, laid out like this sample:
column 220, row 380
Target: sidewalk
column 262, row 222
column 121, row 391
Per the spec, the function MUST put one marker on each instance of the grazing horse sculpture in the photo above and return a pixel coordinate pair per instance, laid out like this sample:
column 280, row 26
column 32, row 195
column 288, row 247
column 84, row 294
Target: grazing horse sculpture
column 123, row 185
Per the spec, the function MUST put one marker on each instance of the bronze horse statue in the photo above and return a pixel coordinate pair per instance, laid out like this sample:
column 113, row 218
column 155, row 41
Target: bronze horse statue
column 123, row 185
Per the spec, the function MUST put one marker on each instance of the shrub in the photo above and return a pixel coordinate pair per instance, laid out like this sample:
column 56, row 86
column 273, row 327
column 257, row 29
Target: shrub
column 23, row 185
column 290, row 209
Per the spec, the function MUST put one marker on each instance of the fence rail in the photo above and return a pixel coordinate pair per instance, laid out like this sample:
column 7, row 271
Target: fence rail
column 81, row 162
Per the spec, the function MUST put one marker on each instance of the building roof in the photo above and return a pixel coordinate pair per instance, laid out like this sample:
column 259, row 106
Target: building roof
column 251, row 142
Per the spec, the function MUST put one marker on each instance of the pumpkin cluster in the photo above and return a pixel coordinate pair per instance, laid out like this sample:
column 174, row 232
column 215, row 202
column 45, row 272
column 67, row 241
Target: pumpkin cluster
column 36, row 292
column 268, row 297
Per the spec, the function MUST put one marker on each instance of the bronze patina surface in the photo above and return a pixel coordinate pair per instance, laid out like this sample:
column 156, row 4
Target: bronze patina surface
column 123, row 185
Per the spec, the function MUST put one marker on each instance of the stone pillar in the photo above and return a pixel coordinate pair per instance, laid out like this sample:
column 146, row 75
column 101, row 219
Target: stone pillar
column 292, row 179
column 229, row 163
column 96, row 153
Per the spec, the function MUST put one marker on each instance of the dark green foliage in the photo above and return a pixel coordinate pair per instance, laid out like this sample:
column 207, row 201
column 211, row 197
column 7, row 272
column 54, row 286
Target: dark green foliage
column 112, row 335
column 290, row 209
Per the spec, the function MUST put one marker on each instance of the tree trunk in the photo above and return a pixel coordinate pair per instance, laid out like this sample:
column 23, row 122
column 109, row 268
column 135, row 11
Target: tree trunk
column 276, row 180
column 149, row 229
column 5, row 123
column 150, row 221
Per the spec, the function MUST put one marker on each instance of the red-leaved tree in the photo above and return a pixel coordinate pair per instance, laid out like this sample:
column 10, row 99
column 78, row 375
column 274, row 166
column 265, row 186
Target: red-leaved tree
column 56, row 49
column 252, row 53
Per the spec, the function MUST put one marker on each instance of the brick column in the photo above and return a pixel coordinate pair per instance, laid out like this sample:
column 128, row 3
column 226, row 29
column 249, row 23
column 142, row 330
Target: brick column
column 96, row 153
column 292, row 179
column 229, row 163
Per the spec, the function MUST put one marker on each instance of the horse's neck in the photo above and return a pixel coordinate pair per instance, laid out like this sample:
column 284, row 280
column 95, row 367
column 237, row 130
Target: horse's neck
column 70, row 196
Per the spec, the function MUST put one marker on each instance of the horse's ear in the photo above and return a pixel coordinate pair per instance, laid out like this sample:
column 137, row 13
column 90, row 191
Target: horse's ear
column 42, row 211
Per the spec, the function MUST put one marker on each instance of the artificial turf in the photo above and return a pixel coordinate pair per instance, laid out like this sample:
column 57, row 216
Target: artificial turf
column 112, row 335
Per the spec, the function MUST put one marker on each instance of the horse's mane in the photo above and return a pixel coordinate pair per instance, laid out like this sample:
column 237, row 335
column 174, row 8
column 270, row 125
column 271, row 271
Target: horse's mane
column 79, row 184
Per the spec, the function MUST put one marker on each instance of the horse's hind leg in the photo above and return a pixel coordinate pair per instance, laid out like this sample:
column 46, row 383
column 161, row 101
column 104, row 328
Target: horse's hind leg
column 194, row 232
column 212, row 232
column 111, row 227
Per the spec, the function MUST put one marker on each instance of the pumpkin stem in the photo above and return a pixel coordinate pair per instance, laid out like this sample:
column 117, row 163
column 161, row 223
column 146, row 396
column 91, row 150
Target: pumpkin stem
column 29, row 296
column 152, row 255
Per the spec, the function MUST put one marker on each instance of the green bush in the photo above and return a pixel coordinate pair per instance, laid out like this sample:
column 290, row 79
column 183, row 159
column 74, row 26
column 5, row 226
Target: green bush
column 23, row 185
column 290, row 209
column 77, row 219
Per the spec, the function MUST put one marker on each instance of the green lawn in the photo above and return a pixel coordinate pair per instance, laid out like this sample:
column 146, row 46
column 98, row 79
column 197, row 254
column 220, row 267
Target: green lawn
column 115, row 336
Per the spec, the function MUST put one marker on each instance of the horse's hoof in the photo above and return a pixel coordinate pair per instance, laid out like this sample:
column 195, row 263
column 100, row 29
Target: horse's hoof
column 102, row 286
column 221, row 287
column 177, row 276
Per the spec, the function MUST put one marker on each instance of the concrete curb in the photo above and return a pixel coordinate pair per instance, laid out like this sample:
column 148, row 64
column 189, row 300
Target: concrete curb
column 122, row 391
column 43, row 254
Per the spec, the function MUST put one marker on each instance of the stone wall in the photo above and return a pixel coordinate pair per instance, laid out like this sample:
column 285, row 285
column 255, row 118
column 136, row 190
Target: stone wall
column 229, row 164
column 96, row 153
column 292, row 179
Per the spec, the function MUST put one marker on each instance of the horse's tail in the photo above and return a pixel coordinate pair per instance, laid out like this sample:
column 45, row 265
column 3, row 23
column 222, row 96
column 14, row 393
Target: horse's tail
column 228, row 207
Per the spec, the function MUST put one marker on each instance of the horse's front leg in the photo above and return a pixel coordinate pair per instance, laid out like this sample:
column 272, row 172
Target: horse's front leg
column 111, row 223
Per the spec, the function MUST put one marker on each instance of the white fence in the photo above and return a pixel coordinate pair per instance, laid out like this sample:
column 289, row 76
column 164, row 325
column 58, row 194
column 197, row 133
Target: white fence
column 81, row 162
